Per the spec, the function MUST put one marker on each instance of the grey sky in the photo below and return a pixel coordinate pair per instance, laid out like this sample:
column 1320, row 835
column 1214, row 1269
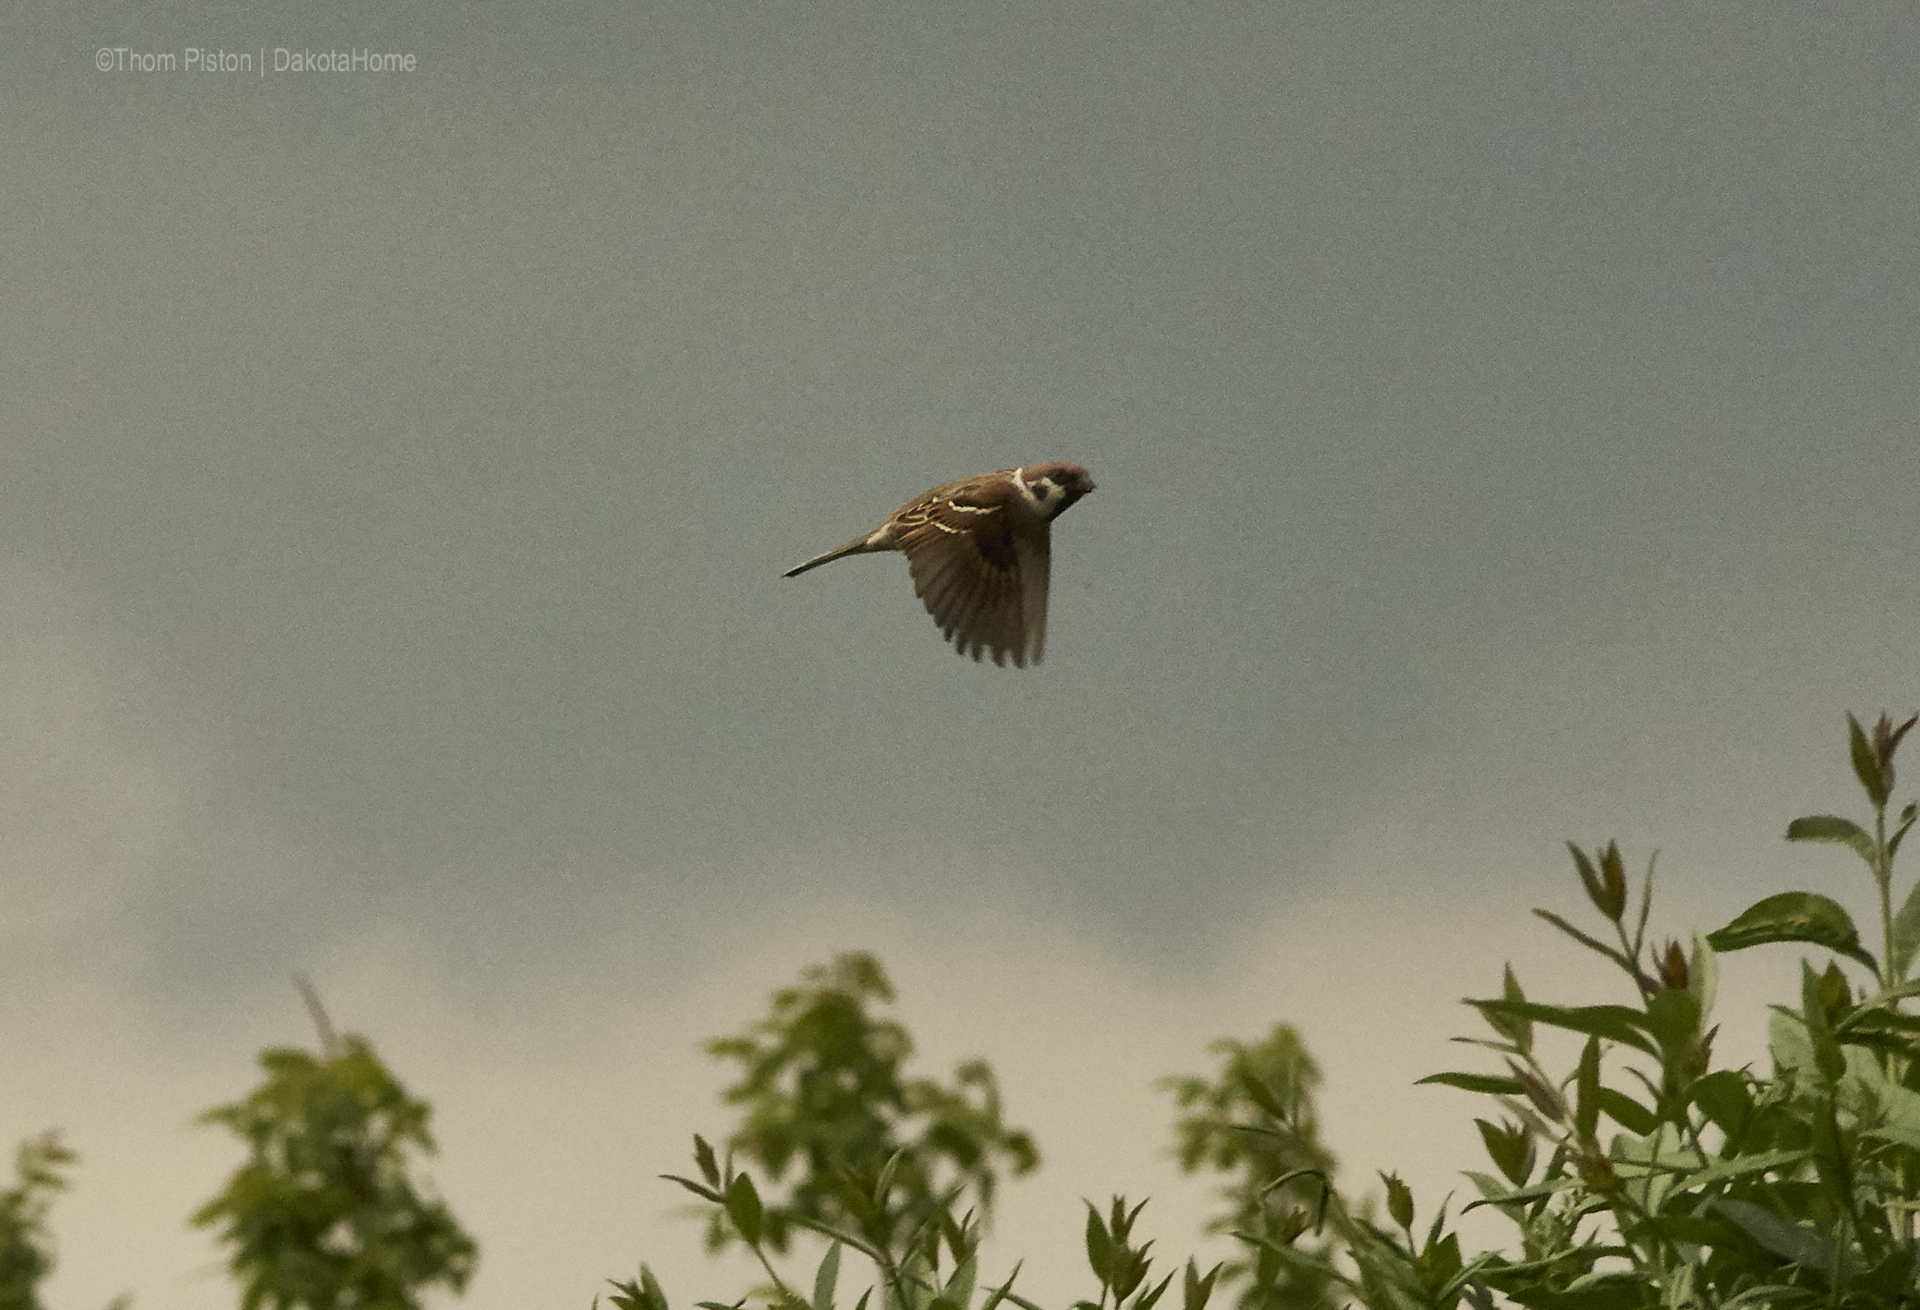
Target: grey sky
column 1504, row 425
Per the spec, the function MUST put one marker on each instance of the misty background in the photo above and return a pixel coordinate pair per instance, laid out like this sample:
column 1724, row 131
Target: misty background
column 1503, row 419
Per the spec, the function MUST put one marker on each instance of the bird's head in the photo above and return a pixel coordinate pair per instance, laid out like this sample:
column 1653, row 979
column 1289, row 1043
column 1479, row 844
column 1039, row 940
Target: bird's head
column 1054, row 487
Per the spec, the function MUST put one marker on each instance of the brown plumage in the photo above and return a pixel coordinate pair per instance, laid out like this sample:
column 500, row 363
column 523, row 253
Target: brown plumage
column 978, row 552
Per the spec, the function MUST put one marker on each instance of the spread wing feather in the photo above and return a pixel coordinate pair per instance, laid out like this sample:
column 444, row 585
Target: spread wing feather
column 984, row 583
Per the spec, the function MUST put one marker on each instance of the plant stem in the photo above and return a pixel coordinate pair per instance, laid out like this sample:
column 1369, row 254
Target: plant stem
column 1883, row 875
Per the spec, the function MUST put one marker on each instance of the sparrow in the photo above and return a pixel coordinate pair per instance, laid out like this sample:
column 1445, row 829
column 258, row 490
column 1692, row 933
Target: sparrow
column 977, row 550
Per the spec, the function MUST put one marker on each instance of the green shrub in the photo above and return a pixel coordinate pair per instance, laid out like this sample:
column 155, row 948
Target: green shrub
column 1641, row 1177
column 26, row 1250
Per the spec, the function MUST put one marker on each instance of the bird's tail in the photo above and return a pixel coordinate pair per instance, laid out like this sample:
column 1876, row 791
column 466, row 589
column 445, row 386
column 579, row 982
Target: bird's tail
column 857, row 546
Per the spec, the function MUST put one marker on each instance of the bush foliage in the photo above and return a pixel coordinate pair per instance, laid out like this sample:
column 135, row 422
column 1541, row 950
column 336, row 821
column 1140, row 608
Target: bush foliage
column 821, row 1084
column 325, row 1213
column 1641, row 1177
column 26, row 1249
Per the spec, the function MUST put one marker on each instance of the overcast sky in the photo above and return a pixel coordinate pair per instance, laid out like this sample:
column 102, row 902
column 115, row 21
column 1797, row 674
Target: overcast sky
column 1504, row 422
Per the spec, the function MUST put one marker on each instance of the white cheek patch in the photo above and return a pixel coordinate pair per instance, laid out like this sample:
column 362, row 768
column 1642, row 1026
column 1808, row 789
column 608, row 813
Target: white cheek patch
column 1041, row 495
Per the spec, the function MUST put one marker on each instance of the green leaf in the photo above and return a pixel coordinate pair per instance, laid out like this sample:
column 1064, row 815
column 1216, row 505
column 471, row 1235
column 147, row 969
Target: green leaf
column 959, row 1288
column 825, row 1277
column 1586, row 1106
column 705, row 1193
column 1261, row 1095
column 1907, row 817
column 1546, row 1187
column 1827, row 1057
column 1148, row 1299
column 1399, row 1200
column 1510, row 1148
column 1627, row 1112
column 1906, row 924
column 1831, row 827
column 1196, row 1290
column 1515, row 1030
column 1803, row 1246
column 1741, row 1165
column 1004, row 1291
column 1607, row 885
column 656, row 1299
column 1794, row 917
column 1099, row 1246
column 1491, row 1084
column 887, row 1173
column 1616, row 1023
column 703, row 1156
column 1898, row 1133
column 1703, row 976
column 1723, row 1097
column 743, row 1207
column 1866, row 763
column 1673, row 1016
column 1591, row 943
column 1880, row 1008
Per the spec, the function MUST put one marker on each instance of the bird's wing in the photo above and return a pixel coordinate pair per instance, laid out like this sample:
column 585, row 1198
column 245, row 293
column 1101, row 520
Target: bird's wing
column 1035, row 568
column 972, row 575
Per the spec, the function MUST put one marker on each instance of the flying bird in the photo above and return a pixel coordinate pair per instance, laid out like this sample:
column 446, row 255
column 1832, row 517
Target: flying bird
column 978, row 553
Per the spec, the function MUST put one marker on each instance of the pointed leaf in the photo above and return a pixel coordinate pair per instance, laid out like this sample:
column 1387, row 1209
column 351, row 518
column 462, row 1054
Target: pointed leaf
column 1866, row 762
column 1586, row 1105
column 1907, row 817
column 841, row 1235
column 1004, row 1291
column 1492, row 1084
column 705, row 1193
column 885, row 1181
column 1099, row 1246
column 1616, row 1023
column 1794, row 917
column 703, row 1156
column 1196, row 1290
column 1827, row 1057
column 1741, row 1165
column 743, row 1207
column 1147, row 1300
column 1399, row 1200
column 1627, row 1112
column 1906, row 924
column 1510, row 1149
column 1547, row 1187
column 1703, row 976
column 656, row 1299
column 1262, row 1095
column 1591, row 943
column 1607, row 885
column 825, row 1277
column 959, row 1288
column 1803, row 1246
column 1831, row 827
column 1723, row 1097
column 1673, row 1016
